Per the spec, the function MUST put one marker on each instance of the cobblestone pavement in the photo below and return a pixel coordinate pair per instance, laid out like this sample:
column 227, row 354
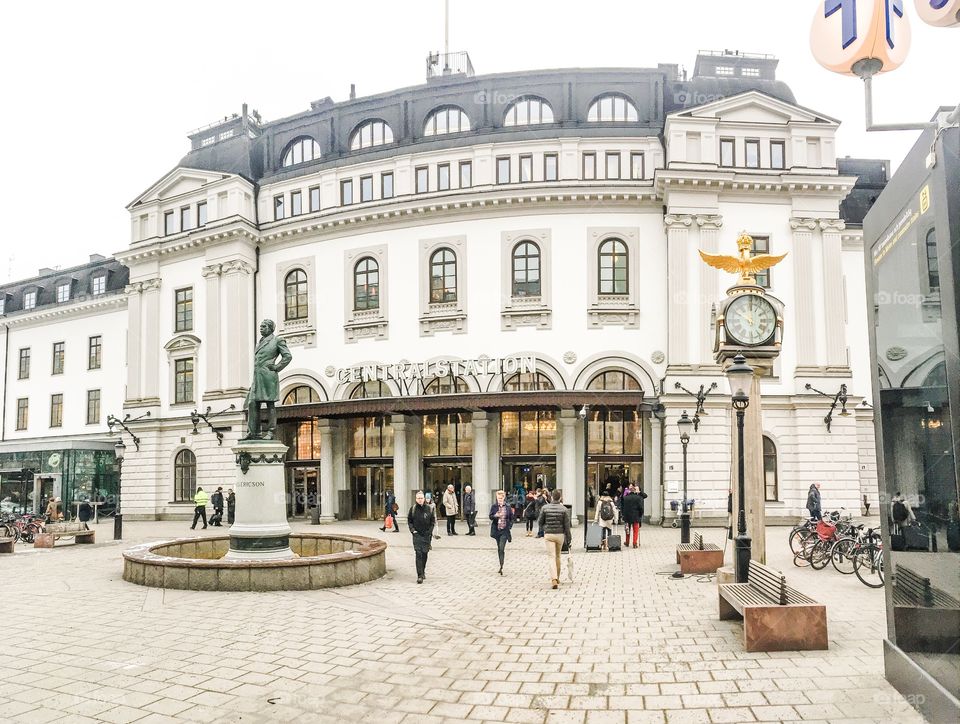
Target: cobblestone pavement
column 620, row 644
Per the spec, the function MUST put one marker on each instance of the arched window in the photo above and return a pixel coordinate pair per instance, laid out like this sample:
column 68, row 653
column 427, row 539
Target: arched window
column 300, row 395
column 613, row 107
column 445, row 386
column 372, row 388
column 371, row 133
column 528, row 111
column 770, row 485
column 526, row 270
column 612, row 267
column 614, row 380
column 366, row 284
column 443, row 276
column 528, row 382
column 184, row 476
column 446, row 119
column 299, row 150
column 295, row 295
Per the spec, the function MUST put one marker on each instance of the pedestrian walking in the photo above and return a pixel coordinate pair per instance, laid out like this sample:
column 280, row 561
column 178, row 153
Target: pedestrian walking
column 631, row 510
column 428, row 498
column 470, row 509
column 530, row 512
column 85, row 513
column 606, row 516
column 813, row 501
column 390, row 508
column 216, row 500
column 554, row 521
column 543, row 497
column 421, row 520
column 231, row 507
column 501, row 521
column 200, row 511
column 451, row 508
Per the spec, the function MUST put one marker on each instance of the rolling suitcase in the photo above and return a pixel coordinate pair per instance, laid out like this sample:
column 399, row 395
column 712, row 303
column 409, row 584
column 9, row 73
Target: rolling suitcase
column 613, row 542
column 593, row 537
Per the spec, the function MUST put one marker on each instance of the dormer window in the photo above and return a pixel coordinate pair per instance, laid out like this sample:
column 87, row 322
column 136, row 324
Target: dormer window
column 528, row 111
column 63, row 292
column 724, row 70
column 300, row 150
column 99, row 285
column 446, row 119
column 29, row 300
column 613, row 108
column 371, row 133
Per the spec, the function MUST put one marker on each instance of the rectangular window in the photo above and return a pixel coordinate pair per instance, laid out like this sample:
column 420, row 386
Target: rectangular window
column 422, row 179
column 183, row 310
column 314, row 198
column 296, row 203
column 386, row 185
column 366, row 188
column 202, row 213
column 23, row 408
column 724, row 70
column 56, row 410
column 279, row 209
column 466, row 174
column 24, row 369
column 777, row 156
column 637, row 170
column 29, row 300
column 95, row 353
column 752, row 153
column 93, row 407
column 185, row 222
column 58, row 355
column 727, row 156
column 613, row 165
column 346, row 192
column 526, row 168
column 99, row 285
column 532, row 432
column 63, row 293
column 503, row 170
column 761, row 245
column 551, row 171
column 169, row 223
column 183, row 381
column 443, row 177
column 750, row 72
column 589, row 166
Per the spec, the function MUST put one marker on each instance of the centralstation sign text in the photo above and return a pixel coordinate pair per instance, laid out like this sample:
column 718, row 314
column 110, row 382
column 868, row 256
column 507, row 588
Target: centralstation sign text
column 437, row 368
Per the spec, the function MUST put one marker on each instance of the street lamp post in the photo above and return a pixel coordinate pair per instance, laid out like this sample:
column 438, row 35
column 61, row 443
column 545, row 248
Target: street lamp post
column 684, row 424
column 740, row 376
column 119, row 451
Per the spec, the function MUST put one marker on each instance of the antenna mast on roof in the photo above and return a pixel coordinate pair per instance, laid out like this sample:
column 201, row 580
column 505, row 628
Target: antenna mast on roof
column 446, row 36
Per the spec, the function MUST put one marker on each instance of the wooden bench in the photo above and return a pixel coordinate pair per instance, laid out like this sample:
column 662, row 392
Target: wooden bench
column 6, row 545
column 55, row 531
column 775, row 616
column 699, row 558
column 926, row 618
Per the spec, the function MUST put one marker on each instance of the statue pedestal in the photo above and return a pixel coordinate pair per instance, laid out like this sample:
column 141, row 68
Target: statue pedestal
column 261, row 531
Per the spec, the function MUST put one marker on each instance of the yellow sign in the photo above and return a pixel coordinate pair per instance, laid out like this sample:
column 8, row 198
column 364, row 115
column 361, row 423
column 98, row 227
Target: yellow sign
column 924, row 199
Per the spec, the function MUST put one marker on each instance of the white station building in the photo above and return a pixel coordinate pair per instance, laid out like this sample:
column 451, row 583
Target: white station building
column 485, row 280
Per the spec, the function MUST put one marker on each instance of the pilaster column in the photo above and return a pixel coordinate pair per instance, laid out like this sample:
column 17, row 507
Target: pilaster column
column 709, row 286
column 803, row 304
column 401, row 482
column 212, row 326
column 653, row 469
column 134, row 342
column 327, row 456
column 237, row 339
column 151, row 341
column 833, row 302
column 568, row 475
column 482, row 482
column 678, row 226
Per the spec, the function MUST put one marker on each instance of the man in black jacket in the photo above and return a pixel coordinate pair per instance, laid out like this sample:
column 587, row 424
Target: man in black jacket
column 554, row 521
column 216, row 500
column 470, row 509
column 631, row 513
column 421, row 520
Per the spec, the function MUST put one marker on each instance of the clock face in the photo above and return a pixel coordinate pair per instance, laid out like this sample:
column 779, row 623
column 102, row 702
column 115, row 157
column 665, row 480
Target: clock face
column 750, row 320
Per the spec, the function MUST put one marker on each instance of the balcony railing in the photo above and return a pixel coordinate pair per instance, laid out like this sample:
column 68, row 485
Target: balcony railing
column 443, row 64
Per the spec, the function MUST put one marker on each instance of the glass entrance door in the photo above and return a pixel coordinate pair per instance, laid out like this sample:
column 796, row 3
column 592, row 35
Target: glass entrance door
column 437, row 476
column 519, row 477
column 368, row 486
column 303, row 491
column 612, row 474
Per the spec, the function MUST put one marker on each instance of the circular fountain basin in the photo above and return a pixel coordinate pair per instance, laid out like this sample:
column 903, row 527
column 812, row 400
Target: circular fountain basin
column 197, row 564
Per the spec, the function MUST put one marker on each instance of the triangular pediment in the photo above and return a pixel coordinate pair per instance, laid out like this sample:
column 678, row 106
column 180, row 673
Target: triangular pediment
column 178, row 181
column 755, row 107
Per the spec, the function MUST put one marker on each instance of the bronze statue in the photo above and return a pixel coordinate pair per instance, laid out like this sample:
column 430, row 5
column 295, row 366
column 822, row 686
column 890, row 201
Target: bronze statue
column 266, row 382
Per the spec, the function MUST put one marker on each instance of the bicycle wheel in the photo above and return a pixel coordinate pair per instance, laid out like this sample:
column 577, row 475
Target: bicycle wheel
column 799, row 560
column 797, row 538
column 820, row 555
column 868, row 565
column 841, row 555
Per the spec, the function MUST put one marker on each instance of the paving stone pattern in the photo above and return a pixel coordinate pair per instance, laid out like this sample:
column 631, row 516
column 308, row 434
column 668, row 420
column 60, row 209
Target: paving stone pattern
column 620, row 644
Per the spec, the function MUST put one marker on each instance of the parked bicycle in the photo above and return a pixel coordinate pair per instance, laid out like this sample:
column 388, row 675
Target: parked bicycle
column 868, row 559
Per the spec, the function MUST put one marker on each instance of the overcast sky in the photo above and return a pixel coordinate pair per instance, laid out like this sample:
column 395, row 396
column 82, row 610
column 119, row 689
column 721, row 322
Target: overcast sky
column 99, row 96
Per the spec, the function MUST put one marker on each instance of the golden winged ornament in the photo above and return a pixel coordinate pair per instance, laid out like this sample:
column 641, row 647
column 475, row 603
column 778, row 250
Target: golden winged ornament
column 745, row 265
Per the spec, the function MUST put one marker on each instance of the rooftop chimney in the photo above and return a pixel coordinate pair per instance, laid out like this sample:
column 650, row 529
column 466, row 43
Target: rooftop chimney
column 97, row 257
column 353, row 91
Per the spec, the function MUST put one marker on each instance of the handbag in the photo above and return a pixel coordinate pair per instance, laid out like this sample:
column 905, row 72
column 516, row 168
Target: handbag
column 388, row 522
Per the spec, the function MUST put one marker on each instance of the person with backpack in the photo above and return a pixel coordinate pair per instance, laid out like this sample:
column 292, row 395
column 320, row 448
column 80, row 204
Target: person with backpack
column 813, row 502
column 900, row 510
column 607, row 516
column 216, row 500
column 530, row 513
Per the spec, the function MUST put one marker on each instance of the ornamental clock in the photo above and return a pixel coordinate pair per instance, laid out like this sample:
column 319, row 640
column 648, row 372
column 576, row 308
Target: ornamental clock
column 750, row 320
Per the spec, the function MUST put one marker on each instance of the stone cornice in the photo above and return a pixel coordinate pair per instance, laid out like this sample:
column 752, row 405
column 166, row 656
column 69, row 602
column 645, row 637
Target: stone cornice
column 725, row 181
column 42, row 315
column 236, row 227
